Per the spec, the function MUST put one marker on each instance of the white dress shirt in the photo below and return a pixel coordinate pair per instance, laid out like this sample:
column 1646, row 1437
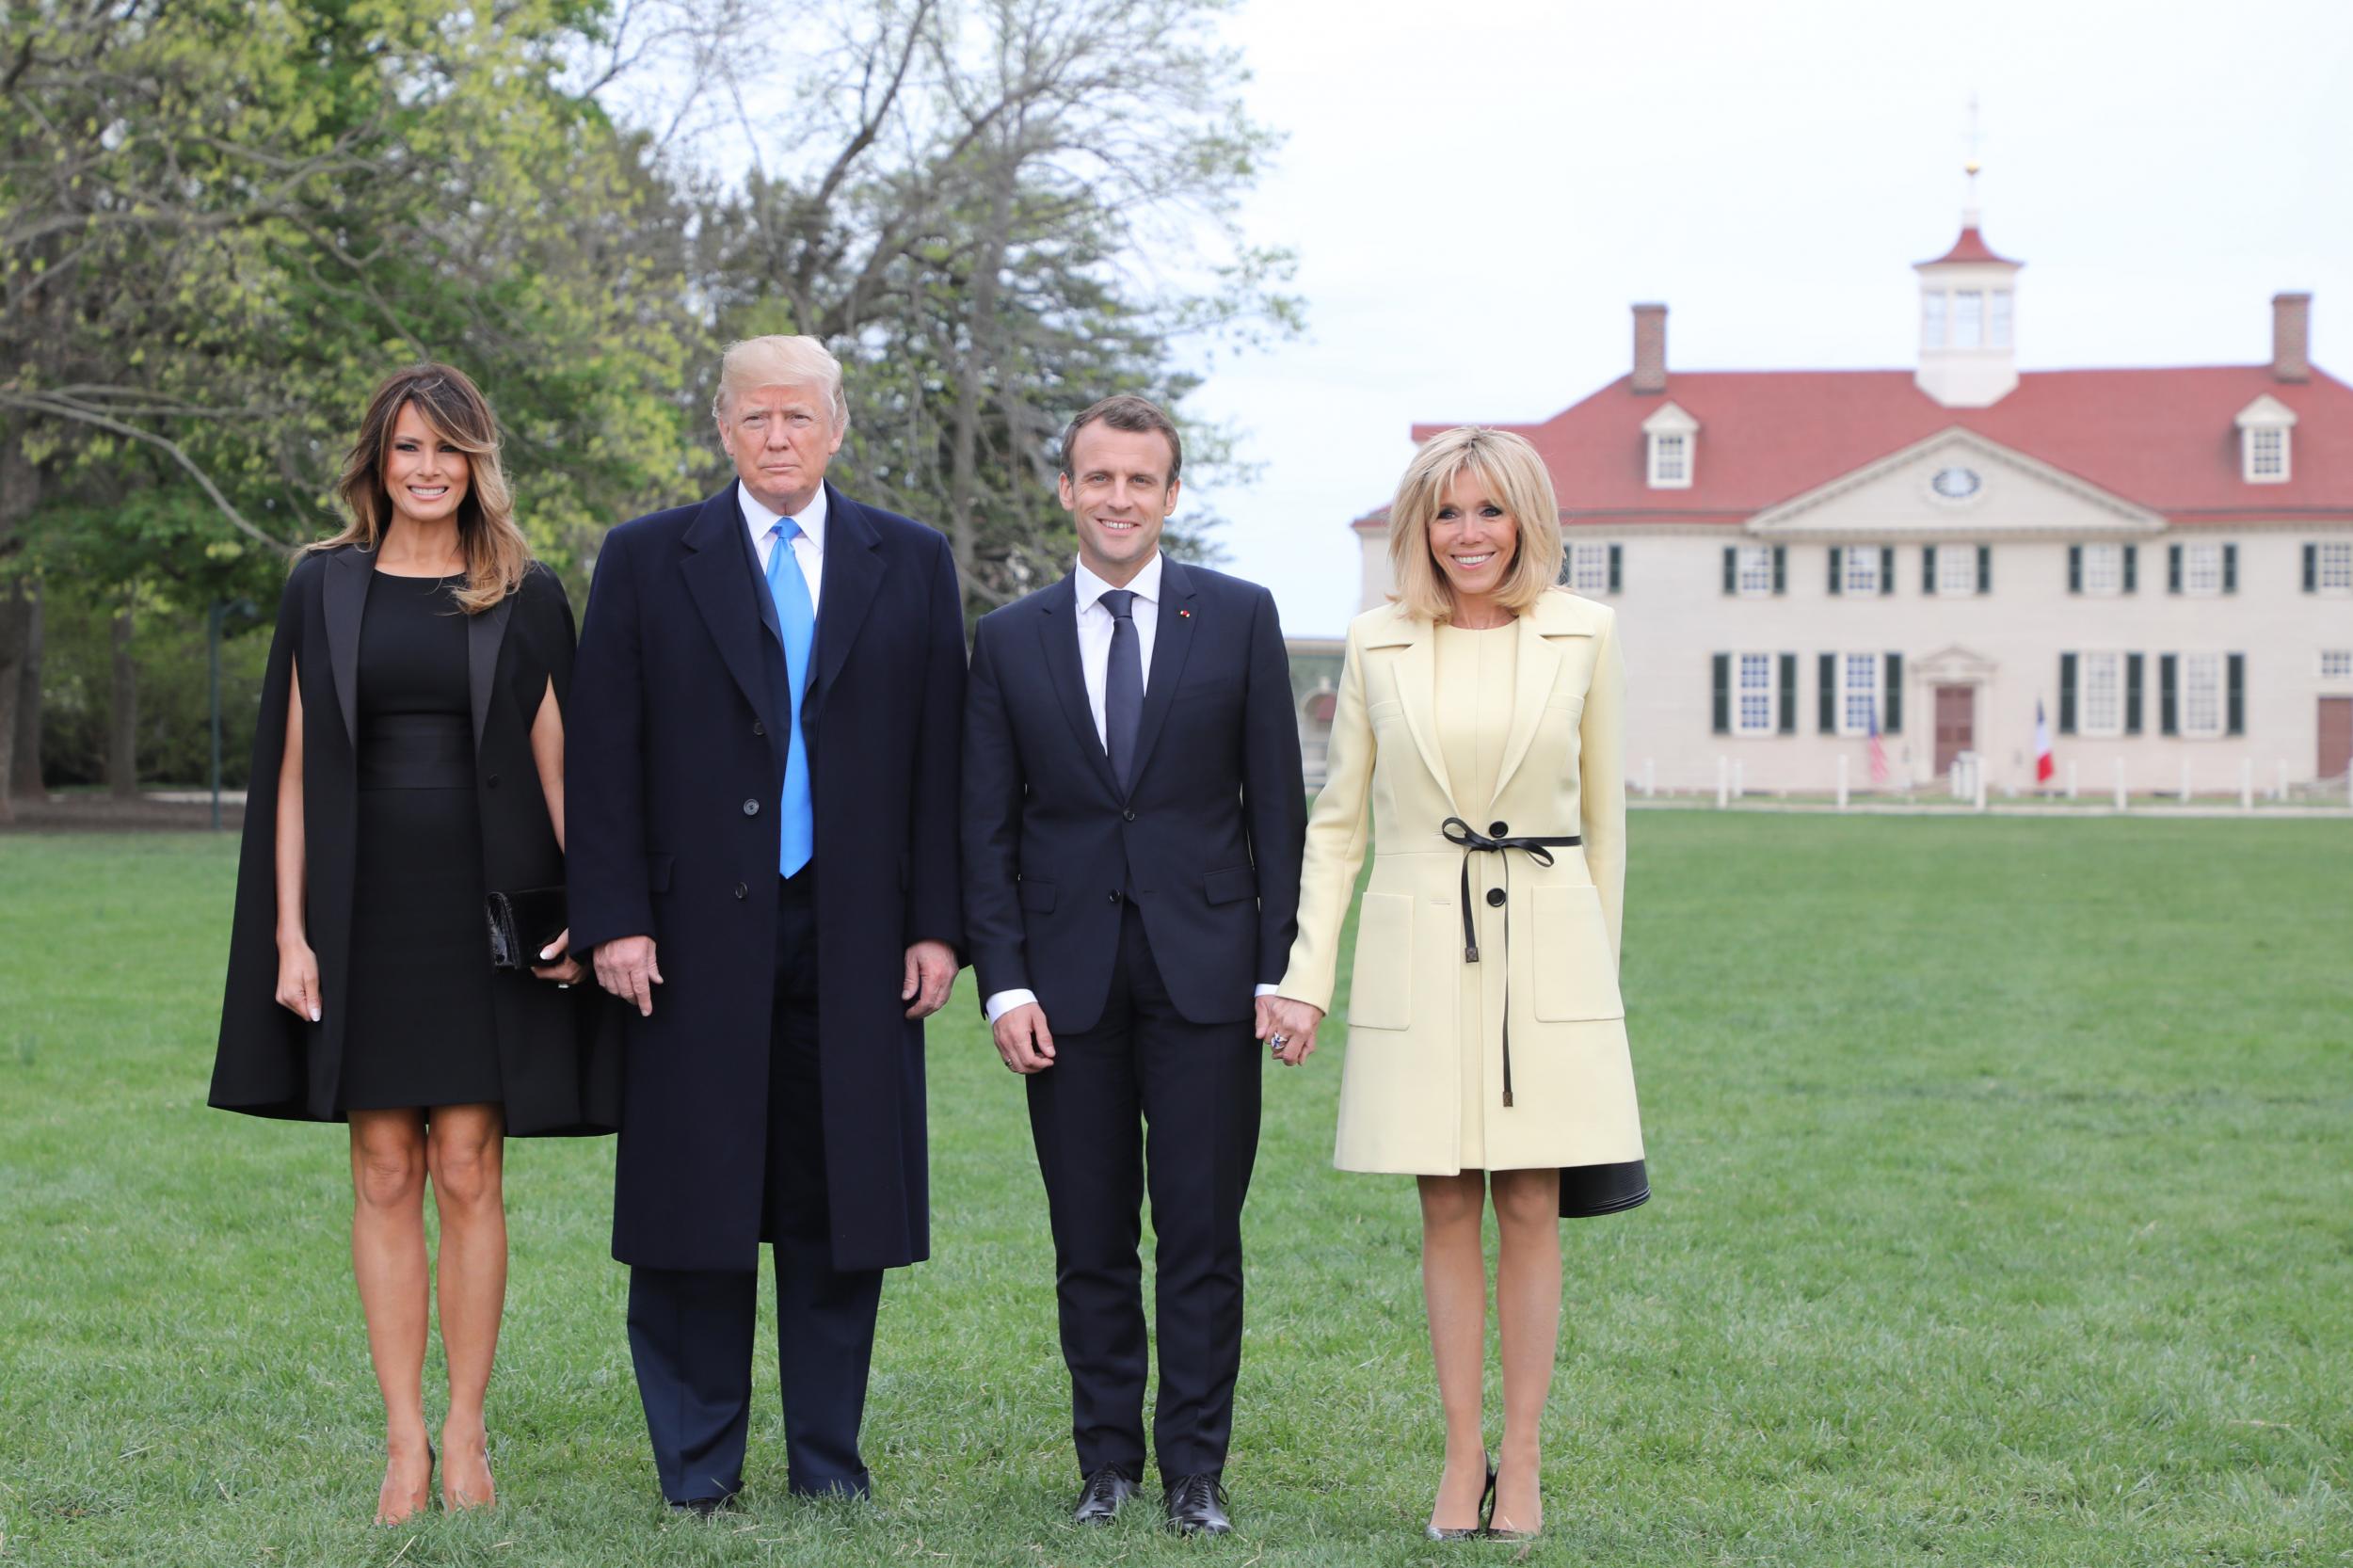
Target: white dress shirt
column 808, row 547
column 1094, row 658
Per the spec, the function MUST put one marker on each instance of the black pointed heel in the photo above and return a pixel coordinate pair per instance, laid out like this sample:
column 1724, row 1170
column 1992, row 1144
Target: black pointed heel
column 1486, row 1502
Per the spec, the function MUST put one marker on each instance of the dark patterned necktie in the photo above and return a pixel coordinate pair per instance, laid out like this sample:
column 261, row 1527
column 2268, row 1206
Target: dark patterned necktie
column 1123, row 685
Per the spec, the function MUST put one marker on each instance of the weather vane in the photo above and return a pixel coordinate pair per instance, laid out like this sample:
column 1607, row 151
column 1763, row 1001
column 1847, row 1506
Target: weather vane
column 1974, row 138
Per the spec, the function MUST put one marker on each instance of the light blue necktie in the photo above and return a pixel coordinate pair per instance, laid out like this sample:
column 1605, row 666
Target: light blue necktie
column 796, row 617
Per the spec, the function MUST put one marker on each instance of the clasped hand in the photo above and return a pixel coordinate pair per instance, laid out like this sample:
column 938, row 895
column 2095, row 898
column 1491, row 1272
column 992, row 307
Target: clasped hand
column 1295, row 1021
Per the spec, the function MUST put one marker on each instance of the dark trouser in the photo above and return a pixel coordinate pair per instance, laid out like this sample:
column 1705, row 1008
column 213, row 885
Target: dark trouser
column 690, row 1332
column 1196, row 1087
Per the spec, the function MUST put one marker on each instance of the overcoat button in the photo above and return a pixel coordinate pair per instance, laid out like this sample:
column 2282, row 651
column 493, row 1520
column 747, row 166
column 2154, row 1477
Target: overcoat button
column 492, row 782
column 1495, row 898
column 751, row 808
column 1497, row 829
column 1115, row 895
column 758, row 729
column 1129, row 815
column 741, row 889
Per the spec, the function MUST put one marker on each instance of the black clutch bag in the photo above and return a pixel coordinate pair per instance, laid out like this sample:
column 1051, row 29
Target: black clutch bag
column 523, row 922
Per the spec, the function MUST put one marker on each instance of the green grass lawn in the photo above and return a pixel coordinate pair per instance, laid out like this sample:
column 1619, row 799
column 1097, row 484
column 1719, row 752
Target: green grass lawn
column 2004, row 1216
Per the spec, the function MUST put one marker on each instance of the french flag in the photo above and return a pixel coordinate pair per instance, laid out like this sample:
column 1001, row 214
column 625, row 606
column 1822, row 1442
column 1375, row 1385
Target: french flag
column 2042, row 767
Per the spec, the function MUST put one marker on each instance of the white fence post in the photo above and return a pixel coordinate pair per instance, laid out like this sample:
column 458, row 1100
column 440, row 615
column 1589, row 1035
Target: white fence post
column 1977, row 782
column 2281, row 793
column 1739, row 777
column 2184, row 781
column 2120, row 783
column 2070, row 778
column 1723, row 781
column 2247, row 783
column 1842, row 781
column 1649, row 775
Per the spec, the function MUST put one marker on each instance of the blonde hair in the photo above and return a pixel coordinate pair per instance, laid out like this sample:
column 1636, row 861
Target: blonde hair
column 1515, row 480
column 453, row 409
column 779, row 361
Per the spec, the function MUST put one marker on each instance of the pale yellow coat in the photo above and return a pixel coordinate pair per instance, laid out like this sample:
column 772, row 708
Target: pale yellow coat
column 1563, row 773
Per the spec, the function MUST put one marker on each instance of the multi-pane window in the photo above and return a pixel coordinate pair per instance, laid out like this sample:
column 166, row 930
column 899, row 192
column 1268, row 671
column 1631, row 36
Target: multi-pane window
column 1588, row 568
column 2336, row 664
column 1756, row 569
column 1997, row 319
column 2104, row 568
column 2100, row 678
column 1932, row 319
column 1858, row 692
column 1862, row 568
column 2266, row 453
column 2201, row 569
column 1968, row 319
column 2332, row 564
column 1670, row 458
column 1755, row 695
column 2202, row 694
column 1957, row 570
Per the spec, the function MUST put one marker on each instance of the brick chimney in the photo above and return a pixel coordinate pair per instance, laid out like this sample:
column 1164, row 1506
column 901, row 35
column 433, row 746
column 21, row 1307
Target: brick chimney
column 1650, row 348
column 2291, row 337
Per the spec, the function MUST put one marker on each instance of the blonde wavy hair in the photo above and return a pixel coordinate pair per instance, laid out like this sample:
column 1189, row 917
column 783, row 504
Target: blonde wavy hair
column 453, row 409
column 1515, row 478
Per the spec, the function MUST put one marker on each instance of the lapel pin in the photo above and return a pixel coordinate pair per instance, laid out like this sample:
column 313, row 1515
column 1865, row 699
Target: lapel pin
column 1184, row 614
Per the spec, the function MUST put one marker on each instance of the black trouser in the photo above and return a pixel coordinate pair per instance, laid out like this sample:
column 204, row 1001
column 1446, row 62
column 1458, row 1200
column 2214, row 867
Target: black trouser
column 690, row 1332
column 1196, row 1088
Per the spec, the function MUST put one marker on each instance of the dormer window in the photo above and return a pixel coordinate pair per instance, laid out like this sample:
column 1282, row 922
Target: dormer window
column 1673, row 438
column 2264, row 432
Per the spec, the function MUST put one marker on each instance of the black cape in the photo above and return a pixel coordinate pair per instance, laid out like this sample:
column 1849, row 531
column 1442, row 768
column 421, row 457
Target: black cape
column 559, row 1049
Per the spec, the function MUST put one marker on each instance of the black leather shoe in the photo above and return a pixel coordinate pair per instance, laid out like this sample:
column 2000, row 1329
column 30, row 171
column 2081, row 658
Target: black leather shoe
column 1105, row 1490
column 1196, row 1506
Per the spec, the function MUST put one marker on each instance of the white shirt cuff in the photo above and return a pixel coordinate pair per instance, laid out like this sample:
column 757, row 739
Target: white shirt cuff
column 1005, row 1001
column 1266, row 991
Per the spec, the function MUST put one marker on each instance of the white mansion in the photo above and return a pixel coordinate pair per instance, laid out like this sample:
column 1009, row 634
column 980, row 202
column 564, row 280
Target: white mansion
column 2162, row 558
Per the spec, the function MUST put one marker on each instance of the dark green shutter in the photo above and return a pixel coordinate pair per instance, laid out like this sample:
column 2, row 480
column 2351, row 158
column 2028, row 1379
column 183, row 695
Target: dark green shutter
column 1838, row 573
column 1985, row 568
column 2075, row 568
column 2067, row 694
column 1789, row 694
column 1826, row 713
column 1732, row 569
column 1723, row 693
column 1781, row 568
column 2237, row 722
column 2172, row 568
column 1928, row 568
column 2230, row 568
column 1617, row 568
column 2168, row 720
column 1895, row 703
column 2312, row 568
column 2132, row 693
column 2132, row 568
column 1887, row 568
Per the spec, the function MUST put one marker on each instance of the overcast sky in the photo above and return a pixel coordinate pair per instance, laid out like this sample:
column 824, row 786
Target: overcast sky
column 1478, row 189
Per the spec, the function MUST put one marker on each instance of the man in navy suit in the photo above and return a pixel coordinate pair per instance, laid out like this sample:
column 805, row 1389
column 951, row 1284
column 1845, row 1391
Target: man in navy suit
column 761, row 800
column 1133, row 819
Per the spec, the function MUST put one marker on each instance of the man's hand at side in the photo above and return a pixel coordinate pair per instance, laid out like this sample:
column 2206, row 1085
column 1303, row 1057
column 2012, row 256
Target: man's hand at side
column 626, row 967
column 1023, row 1040
column 931, row 971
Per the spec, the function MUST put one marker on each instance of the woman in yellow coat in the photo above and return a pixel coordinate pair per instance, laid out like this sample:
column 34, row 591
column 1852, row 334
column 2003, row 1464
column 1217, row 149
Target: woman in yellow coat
column 1479, row 737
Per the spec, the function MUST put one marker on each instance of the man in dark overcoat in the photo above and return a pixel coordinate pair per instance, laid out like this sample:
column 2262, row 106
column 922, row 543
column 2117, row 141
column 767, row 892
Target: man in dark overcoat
column 763, row 855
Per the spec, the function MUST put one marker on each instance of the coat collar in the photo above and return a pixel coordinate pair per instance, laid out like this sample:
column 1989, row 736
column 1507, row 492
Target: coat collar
column 349, row 570
column 728, row 600
column 486, row 633
column 853, row 573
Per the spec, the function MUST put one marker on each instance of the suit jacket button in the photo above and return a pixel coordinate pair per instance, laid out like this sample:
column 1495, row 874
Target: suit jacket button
column 1129, row 815
column 492, row 782
column 1497, row 829
column 758, row 729
column 1115, row 895
column 751, row 808
column 741, row 889
column 1495, row 898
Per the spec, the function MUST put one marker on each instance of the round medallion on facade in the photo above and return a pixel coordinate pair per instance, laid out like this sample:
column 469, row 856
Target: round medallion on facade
column 1956, row 484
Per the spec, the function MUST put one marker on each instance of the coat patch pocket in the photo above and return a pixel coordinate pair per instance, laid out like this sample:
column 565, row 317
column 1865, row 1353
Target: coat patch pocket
column 1038, row 896
column 1234, row 881
column 1575, row 977
column 1381, row 984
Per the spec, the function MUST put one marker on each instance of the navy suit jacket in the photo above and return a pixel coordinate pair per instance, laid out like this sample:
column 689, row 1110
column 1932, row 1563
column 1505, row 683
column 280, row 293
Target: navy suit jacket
column 1207, row 840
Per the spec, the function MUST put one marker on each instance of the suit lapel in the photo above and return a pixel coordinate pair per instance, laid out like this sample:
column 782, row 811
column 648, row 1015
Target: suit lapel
column 1172, row 640
column 853, row 573
column 726, row 600
column 347, row 600
column 484, row 634
column 1058, row 640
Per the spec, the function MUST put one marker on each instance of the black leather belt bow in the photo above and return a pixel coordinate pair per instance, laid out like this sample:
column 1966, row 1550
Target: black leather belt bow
column 1499, row 841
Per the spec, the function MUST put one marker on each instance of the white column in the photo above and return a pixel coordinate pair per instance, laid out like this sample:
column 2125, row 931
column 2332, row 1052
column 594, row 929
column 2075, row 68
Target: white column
column 1842, row 781
column 2120, row 783
column 2247, row 783
column 1723, row 781
column 2070, row 778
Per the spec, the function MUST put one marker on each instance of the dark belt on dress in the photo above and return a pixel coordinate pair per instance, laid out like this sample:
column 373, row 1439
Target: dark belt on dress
column 1536, row 848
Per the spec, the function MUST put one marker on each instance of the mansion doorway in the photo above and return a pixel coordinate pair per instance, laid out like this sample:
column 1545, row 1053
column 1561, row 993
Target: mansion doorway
column 1955, row 724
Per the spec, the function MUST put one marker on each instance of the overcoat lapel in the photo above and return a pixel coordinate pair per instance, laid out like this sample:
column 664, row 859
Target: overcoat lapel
column 1172, row 640
column 1058, row 638
column 347, row 600
column 854, row 571
column 484, row 634
column 714, row 569
column 1541, row 633
column 1417, row 687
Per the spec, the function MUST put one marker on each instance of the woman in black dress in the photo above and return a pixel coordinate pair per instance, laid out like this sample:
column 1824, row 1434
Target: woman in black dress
column 411, row 761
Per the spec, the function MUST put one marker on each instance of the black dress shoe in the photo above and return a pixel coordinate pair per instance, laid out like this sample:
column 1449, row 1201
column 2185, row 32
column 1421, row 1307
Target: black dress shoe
column 1105, row 1490
column 1196, row 1506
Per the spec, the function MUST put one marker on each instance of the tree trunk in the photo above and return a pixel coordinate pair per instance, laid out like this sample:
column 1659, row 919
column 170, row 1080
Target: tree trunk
column 963, row 485
column 122, row 737
column 24, row 774
column 20, row 491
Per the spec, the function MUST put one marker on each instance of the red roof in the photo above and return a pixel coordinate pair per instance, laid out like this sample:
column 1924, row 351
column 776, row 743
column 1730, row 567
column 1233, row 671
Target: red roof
column 2165, row 439
column 1971, row 247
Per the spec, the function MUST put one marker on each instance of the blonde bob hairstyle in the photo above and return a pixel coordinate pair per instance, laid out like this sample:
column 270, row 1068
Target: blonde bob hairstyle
column 453, row 409
column 779, row 361
column 1514, row 479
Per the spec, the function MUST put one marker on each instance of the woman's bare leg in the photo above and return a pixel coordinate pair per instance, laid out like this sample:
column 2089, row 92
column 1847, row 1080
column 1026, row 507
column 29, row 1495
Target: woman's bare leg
column 1454, row 1290
column 464, row 1151
column 387, row 1260
column 1528, row 1308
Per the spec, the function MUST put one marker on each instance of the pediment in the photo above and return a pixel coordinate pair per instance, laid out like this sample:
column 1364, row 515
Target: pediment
column 1954, row 666
column 1956, row 484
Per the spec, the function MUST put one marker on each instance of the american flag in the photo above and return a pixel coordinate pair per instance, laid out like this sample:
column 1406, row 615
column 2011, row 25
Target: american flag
column 1879, row 751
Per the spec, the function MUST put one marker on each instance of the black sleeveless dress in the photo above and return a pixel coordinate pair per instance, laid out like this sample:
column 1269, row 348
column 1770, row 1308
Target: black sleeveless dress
column 422, row 1031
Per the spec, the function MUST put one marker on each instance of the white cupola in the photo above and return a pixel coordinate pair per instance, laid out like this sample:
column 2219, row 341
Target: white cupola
column 1968, row 319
